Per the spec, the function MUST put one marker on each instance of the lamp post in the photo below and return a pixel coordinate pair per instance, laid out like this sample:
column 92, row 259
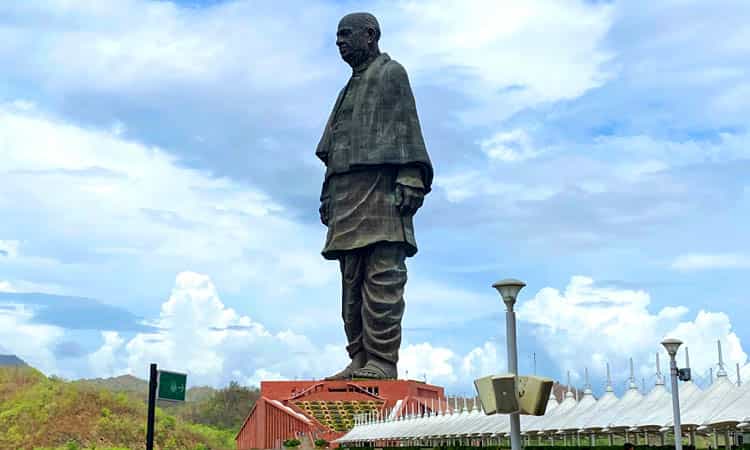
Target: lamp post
column 508, row 290
column 672, row 345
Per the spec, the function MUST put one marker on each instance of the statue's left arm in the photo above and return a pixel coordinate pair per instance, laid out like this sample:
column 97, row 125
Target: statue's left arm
column 410, row 186
column 409, row 190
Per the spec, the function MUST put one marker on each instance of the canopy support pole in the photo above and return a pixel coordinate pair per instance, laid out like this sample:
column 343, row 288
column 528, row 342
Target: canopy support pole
column 727, row 439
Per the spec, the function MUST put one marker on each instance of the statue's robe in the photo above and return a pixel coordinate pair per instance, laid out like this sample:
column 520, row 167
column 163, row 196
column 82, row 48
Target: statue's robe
column 372, row 142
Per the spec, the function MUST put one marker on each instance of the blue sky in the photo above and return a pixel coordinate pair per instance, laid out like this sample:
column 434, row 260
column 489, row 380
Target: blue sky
column 160, row 188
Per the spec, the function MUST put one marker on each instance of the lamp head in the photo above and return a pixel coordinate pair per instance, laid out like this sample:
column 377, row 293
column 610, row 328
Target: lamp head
column 671, row 345
column 509, row 289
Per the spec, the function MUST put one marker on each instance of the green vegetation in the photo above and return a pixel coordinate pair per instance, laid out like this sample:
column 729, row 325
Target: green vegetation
column 292, row 443
column 226, row 409
column 37, row 412
column 543, row 447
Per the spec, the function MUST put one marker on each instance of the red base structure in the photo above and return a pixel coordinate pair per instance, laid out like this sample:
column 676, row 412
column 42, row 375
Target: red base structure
column 326, row 409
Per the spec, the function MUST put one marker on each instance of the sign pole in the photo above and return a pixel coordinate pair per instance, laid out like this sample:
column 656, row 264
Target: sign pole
column 152, row 382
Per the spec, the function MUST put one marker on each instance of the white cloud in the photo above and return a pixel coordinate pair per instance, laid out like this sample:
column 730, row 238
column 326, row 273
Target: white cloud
column 482, row 361
column 258, row 376
column 708, row 261
column 137, row 208
column 503, row 46
column 509, row 146
column 8, row 249
column 139, row 45
column 23, row 286
column 466, row 185
column 701, row 334
column 445, row 367
column 213, row 344
column 104, row 361
column 30, row 341
column 437, row 363
column 248, row 49
column 198, row 334
column 586, row 325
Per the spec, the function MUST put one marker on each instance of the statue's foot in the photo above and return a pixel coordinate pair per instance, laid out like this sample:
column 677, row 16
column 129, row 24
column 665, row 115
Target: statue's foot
column 377, row 369
column 358, row 361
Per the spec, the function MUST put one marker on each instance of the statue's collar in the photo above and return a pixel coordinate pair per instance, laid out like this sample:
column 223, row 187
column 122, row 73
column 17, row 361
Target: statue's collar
column 359, row 70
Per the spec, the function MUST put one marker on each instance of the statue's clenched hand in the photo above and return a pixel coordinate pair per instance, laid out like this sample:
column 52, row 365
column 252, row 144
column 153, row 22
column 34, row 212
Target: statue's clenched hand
column 408, row 199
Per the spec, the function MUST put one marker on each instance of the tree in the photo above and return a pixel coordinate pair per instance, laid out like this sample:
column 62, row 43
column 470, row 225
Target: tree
column 226, row 409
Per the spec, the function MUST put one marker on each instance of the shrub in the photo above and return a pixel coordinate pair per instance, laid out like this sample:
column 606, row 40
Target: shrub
column 292, row 443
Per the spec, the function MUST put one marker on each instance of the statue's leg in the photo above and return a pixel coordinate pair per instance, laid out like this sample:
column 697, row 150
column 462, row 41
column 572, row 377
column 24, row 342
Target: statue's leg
column 383, row 309
column 352, row 274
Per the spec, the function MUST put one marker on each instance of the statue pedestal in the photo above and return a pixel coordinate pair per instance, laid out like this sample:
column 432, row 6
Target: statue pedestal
column 328, row 409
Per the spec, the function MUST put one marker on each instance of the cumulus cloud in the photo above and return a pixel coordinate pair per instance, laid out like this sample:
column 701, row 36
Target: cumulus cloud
column 198, row 334
column 436, row 363
column 103, row 361
column 443, row 366
column 213, row 343
column 34, row 343
column 586, row 325
column 708, row 261
column 481, row 361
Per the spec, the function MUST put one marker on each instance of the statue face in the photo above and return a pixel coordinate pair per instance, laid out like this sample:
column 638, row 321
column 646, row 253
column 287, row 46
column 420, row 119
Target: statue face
column 353, row 41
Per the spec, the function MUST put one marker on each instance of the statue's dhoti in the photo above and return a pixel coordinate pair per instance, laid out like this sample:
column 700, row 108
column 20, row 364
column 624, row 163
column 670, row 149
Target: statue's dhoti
column 373, row 280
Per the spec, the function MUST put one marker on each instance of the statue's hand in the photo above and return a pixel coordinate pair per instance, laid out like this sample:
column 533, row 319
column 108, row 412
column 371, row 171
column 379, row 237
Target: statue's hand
column 408, row 199
column 324, row 210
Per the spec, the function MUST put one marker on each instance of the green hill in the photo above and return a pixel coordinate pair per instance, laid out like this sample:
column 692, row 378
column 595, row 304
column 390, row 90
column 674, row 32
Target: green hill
column 122, row 383
column 37, row 412
column 135, row 385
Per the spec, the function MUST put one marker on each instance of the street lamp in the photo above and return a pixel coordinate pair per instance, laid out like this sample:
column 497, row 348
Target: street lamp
column 508, row 290
column 672, row 345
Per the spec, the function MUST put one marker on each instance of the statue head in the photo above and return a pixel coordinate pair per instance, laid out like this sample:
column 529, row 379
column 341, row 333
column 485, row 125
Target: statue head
column 357, row 38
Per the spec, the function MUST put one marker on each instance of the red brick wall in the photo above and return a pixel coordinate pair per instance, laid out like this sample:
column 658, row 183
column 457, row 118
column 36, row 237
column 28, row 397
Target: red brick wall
column 389, row 390
column 268, row 426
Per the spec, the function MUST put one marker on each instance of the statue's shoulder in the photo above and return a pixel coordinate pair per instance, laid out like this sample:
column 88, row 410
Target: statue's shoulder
column 392, row 69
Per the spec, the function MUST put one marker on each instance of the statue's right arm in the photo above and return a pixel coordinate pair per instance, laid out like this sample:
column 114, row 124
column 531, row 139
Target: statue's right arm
column 325, row 204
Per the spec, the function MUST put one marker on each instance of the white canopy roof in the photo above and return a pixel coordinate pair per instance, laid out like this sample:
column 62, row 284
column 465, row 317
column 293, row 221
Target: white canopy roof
column 660, row 414
column 723, row 404
column 717, row 396
column 736, row 411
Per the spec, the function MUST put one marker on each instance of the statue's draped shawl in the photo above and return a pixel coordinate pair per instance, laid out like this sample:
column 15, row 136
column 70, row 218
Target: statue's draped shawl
column 385, row 127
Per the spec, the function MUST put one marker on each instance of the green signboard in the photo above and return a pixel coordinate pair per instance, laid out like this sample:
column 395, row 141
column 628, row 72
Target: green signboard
column 171, row 386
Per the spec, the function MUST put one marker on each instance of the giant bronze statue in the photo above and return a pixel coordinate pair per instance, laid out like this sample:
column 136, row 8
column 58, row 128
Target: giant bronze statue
column 377, row 174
